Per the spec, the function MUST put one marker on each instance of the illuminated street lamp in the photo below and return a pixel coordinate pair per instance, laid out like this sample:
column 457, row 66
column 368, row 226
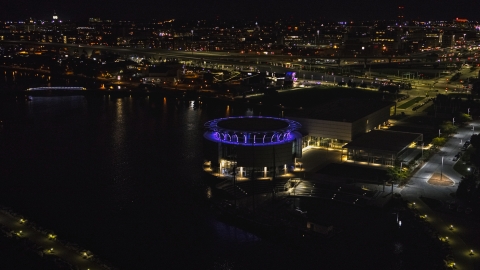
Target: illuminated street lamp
column 451, row 228
column 471, row 252
column 422, row 149
column 191, row 46
column 441, row 173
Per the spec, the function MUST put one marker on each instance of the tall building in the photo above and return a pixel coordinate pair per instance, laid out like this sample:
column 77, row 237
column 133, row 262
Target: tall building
column 54, row 17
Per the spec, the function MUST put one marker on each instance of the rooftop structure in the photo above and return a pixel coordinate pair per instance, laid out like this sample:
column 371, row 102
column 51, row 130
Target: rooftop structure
column 382, row 147
column 251, row 130
column 384, row 141
column 343, row 110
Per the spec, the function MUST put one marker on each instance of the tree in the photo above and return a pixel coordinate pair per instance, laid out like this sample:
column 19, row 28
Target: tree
column 475, row 155
column 462, row 118
column 397, row 174
column 468, row 189
column 448, row 128
column 438, row 141
column 475, row 141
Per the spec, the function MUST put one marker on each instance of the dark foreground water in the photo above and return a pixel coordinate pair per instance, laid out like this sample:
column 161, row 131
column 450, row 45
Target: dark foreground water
column 121, row 177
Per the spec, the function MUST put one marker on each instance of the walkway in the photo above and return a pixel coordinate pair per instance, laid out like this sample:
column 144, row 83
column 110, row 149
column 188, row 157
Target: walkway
column 442, row 162
column 459, row 248
column 50, row 247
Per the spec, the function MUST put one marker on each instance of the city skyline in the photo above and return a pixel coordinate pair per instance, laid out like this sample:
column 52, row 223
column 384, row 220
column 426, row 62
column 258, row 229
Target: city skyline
column 329, row 10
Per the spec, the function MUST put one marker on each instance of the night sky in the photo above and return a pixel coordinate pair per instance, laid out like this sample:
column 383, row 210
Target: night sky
column 336, row 10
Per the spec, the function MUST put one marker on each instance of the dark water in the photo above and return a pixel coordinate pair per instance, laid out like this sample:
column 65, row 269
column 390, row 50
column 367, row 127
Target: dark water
column 121, row 177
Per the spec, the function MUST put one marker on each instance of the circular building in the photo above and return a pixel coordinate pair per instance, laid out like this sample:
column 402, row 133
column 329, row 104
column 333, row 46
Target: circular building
column 244, row 145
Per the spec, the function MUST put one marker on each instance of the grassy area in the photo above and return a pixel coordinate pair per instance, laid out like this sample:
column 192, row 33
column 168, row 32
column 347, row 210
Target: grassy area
column 370, row 238
column 410, row 102
column 432, row 203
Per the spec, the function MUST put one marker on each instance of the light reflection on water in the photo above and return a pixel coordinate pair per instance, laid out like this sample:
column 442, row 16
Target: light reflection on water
column 111, row 173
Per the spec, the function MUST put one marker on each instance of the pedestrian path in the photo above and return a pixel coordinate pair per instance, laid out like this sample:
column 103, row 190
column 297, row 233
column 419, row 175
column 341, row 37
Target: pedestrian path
column 48, row 244
column 442, row 162
column 461, row 252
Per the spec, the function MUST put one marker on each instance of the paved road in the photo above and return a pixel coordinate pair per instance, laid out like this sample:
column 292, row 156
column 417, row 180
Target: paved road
column 442, row 162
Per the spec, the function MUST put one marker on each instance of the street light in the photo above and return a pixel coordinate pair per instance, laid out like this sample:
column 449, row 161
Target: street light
column 191, row 46
column 441, row 171
column 422, row 149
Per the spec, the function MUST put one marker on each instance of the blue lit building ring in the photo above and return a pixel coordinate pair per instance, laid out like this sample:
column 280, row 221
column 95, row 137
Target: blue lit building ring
column 252, row 130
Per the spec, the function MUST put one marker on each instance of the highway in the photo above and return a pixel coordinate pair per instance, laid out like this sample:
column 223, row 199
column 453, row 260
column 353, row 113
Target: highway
column 234, row 58
column 279, row 64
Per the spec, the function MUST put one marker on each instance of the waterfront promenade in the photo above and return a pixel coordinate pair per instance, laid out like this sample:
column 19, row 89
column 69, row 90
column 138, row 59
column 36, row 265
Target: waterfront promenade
column 48, row 244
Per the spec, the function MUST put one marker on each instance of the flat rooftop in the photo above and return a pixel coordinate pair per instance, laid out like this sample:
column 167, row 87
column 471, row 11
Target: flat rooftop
column 384, row 141
column 342, row 110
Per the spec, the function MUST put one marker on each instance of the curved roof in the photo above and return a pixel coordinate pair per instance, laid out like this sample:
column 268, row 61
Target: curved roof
column 251, row 130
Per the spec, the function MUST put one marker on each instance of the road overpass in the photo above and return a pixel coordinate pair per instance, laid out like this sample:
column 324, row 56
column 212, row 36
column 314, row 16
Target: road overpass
column 234, row 58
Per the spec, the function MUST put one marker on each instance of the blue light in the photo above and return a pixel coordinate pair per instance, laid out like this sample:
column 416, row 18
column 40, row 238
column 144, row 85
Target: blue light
column 282, row 135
